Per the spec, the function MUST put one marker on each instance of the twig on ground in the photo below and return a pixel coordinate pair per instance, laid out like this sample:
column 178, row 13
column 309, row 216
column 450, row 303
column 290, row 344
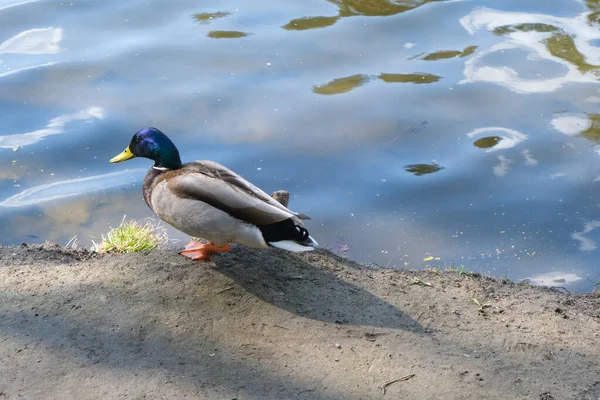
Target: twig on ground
column 305, row 391
column 281, row 327
column 404, row 378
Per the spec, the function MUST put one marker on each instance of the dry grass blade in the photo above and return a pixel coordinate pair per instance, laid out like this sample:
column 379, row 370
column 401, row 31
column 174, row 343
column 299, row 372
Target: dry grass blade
column 417, row 281
column 481, row 306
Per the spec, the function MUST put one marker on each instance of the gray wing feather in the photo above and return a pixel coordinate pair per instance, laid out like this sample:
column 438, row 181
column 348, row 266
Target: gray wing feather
column 224, row 173
column 212, row 183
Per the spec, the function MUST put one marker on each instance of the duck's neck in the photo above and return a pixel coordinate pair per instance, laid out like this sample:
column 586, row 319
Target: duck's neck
column 149, row 180
column 168, row 159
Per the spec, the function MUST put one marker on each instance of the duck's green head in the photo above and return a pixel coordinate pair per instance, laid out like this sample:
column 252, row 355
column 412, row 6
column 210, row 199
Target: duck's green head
column 153, row 144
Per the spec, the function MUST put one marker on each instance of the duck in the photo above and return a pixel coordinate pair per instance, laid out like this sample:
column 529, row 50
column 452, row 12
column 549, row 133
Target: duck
column 205, row 199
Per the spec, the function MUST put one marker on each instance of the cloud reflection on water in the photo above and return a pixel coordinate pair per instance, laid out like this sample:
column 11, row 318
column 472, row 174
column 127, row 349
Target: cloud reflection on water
column 571, row 125
column 564, row 41
column 39, row 41
column 585, row 243
column 71, row 187
column 56, row 126
column 19, row 3
column 34, row 41
column 507, row 138
column 555, row 279
column 17, row 70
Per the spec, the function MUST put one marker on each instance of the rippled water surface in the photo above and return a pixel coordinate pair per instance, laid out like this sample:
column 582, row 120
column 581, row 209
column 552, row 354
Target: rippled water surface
column 414, row 133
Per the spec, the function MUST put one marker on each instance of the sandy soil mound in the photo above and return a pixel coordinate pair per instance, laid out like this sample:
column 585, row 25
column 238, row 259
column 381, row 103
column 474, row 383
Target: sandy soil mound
column 270, row 325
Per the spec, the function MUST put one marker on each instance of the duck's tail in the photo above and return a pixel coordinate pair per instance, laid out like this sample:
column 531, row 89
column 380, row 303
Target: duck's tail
column 288, row 235
column 297, row 247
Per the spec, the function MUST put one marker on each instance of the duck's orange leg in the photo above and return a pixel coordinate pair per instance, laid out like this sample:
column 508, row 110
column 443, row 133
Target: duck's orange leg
column 200, row 251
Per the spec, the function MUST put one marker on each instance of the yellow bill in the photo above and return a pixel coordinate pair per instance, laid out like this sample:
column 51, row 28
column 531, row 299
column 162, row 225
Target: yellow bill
column 124, row 156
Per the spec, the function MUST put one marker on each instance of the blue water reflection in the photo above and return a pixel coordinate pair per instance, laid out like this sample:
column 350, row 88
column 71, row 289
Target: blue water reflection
column 414, row 133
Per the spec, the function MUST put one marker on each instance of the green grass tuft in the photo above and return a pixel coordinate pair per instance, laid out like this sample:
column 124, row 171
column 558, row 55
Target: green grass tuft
column 461, row 271
column 133, row 236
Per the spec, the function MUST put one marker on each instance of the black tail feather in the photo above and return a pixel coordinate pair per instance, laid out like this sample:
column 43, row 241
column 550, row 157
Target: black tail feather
column 284, row 230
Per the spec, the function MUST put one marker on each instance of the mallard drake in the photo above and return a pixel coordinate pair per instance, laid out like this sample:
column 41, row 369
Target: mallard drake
column 208, row 200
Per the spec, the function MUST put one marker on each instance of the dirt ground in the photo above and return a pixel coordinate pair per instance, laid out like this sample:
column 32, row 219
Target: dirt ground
column 273, row 325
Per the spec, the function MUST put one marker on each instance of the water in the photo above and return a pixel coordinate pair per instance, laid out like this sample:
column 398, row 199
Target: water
column 414, row 133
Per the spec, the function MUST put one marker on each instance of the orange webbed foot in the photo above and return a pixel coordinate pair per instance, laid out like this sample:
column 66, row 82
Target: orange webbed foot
column 200, row 251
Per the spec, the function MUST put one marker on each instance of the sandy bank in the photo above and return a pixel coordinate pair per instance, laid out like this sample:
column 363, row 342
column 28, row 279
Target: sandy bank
column 270, row 325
